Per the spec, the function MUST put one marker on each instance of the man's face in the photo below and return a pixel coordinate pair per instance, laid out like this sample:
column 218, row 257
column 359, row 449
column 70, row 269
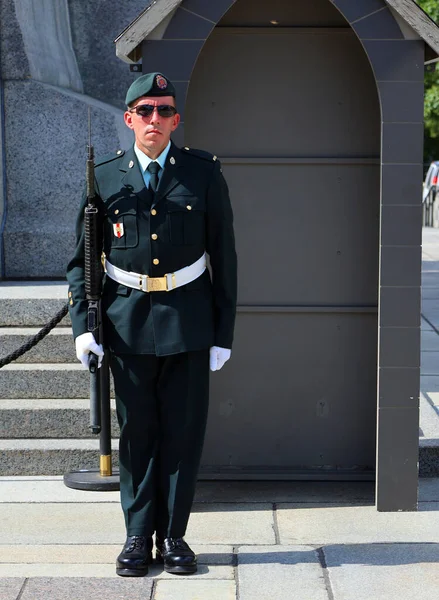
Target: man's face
column 152, row 133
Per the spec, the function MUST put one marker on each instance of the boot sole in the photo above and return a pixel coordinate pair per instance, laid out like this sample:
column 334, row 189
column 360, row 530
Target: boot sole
column 178, row 570
column 132, row 572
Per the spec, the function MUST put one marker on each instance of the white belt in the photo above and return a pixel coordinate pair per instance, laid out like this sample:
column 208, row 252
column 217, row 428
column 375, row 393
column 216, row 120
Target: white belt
column 168, row 282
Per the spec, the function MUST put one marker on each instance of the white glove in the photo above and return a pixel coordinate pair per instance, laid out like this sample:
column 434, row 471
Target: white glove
column 218, row 356
column 85, row 344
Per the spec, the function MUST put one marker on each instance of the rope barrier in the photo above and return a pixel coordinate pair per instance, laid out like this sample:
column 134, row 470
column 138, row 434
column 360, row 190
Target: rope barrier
column 33, row 341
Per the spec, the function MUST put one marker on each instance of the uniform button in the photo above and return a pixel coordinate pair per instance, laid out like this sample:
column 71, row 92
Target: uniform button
column 156, row 261
column 116, row 212
column 154, row 236
column 153, row 212
column 189, row 207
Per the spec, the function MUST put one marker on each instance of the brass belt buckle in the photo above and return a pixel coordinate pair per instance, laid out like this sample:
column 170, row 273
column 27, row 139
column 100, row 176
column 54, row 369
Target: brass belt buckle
column 157, row 284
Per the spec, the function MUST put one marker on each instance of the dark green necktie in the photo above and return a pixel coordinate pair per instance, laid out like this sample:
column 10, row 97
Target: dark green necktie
column 154, row 169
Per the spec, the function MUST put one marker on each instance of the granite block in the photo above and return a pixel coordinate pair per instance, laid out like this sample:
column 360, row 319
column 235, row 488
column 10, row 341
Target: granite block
column 94, row 26
column 356, row 10
column 340, row 524
column 10, row 587
column 401, row 101
column 50, row 457
column 386, row 571
column 396, row 60
column 31, row 312
column 380, row 25
column 14, row 63
column 428, row 461
column 191, row 590
column 57, row 347
column 47, row 41
column 42, row 206
column 266, row 573
column 45, row 380
column 402, row 184
column 66, row 588
column 44, row 421
column 239, row 523
column 402, row 142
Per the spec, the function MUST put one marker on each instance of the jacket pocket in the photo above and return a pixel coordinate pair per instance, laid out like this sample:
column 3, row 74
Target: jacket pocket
column 123, row 229
column 186, row 224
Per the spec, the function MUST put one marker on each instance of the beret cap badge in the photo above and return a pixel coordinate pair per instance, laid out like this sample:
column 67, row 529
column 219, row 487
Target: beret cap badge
column 161, row 82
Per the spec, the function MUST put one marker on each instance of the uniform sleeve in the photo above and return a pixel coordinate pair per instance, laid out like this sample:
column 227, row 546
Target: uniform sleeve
column 220, row 246
column 78, row 304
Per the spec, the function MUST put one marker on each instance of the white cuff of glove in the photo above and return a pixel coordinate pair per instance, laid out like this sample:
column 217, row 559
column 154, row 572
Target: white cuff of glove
column 218, row 356
column 85, row 344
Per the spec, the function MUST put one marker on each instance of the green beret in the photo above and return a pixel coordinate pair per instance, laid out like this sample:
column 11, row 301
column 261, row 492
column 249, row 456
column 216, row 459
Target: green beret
column 151, row 84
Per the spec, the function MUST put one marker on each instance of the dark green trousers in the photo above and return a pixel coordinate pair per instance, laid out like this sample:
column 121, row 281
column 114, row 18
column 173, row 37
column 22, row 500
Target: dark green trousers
column 162, row 405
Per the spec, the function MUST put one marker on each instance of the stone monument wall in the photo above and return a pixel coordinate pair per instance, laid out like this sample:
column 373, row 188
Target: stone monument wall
column 57, row 59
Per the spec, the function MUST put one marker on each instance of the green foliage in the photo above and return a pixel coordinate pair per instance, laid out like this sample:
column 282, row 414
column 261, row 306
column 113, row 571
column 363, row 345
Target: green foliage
column 431, row 105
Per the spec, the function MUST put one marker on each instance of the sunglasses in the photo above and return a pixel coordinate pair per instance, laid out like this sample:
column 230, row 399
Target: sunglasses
column 146, row 110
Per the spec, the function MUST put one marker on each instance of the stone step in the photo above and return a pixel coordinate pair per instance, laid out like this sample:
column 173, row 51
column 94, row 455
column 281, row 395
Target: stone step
column 48, row 418
column 50, row 457
column 57, row 347
column 27, row 457
column 31, row 304
column 45, row 380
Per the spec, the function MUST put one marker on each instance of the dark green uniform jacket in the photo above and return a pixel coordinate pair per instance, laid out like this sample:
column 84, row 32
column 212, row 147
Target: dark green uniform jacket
column 189, row 214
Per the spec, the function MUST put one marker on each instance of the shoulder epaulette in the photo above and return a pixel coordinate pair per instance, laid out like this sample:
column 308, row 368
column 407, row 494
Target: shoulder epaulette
column 200, row 154
column 102, row 160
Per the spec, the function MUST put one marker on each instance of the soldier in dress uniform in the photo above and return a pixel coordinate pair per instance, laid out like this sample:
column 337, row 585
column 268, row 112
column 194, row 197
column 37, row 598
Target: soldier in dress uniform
column 165, row 319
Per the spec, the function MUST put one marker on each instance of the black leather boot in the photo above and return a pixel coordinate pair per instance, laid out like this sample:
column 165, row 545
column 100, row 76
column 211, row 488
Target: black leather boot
column 176, row 555
column 135, row 557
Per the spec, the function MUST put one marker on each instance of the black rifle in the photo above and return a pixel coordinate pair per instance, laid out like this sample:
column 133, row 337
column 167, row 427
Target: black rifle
column 93, row 283
column 100, row 408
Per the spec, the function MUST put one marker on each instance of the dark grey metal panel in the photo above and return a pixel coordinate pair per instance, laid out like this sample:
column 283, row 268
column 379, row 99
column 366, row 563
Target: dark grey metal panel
column 305, row 229
column 297, row 13
column 187, row 25
column 378, row 26
column 399, row 346
column 396, row 61
column 399, row 388
column 402, row 101
column 401, row 225
column 402, row 184
column 300, row 390
column 174, row 58
column 402, row 142
column 310, row 93
column 398, row 469
column 401, row 265
column 353, row 10
column 400, row 306
column 208, row 9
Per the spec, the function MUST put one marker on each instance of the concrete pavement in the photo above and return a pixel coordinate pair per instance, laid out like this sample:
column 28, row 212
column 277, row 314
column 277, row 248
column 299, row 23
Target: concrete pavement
column 300, row 540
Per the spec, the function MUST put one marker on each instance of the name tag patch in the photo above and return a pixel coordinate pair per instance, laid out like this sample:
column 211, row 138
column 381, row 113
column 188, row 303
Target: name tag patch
column 118, row 229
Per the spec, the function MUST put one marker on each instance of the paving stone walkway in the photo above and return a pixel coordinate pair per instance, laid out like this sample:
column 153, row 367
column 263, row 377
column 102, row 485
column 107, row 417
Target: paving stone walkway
column 255, row 541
